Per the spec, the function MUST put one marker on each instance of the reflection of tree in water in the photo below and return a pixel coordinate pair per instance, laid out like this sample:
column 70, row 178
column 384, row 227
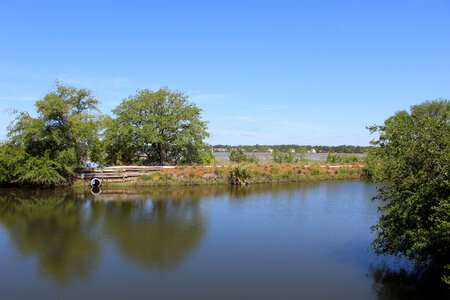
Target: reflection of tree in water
column 62, row 233
column 52, row 230
column 155, row 234
column 61, row 230
column 404, row 284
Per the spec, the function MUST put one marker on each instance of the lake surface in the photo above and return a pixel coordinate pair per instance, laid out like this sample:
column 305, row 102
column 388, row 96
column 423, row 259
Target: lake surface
column 225, row 156
column 287, row 241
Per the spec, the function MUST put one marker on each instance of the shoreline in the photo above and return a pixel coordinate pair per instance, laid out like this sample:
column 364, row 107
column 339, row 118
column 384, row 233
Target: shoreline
column 219, row 175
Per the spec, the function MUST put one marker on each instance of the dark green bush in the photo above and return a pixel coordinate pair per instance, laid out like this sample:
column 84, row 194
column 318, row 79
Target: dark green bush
column 238, row 156
column 284, row 157
column 347, row 159
column 240, row 176
column 314, row 171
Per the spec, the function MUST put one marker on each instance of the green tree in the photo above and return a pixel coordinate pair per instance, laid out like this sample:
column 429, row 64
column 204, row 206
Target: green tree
column 287, row 157
column 47, row 149
column 197, row 155
column 162, row 126
column 412, row 161
column 237, row 155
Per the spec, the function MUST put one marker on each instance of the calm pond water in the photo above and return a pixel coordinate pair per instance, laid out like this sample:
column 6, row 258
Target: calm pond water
column 291, row 241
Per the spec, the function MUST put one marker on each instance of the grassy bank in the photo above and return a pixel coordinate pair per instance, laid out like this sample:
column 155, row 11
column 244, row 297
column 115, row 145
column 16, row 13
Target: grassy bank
column 228, row 174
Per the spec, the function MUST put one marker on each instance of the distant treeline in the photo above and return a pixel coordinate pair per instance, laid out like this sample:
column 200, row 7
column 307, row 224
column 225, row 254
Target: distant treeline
column 297, row 148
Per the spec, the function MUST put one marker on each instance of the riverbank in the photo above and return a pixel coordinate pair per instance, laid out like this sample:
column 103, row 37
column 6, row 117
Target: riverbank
column 219, row 174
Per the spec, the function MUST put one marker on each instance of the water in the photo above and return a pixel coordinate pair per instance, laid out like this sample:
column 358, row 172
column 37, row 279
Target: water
column 292, row 241
column 224, row 156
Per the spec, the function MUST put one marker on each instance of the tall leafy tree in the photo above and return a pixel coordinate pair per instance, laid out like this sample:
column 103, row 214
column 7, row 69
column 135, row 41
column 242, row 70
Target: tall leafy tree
column 412, row 160
column 162, row 126
column 48, row 148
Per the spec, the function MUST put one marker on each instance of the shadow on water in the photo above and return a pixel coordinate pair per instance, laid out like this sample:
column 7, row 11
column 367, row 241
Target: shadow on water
column 402, row 283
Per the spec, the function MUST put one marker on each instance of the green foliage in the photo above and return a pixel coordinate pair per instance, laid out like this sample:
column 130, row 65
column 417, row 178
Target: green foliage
column 284, row 157
column 238, row 156
column 275, row 171
column 240, row 176
column 197, row 156
column 205, row 158
column 47, row 149
column 412, row 160
column 347, row 159
column 343, row 171
column 314, row 171
column 162, row 126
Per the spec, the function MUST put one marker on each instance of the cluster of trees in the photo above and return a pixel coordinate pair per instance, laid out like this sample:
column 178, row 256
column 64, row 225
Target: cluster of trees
column 69, row 131
column 297, row 148
column 411, row 161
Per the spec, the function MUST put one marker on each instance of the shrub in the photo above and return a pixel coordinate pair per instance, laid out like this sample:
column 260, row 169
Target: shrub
column 343, row 171
column 238, row 156
column 314, row 171
column 336, row 158
column 284, row 157
column 240, row 176
column 275, row 171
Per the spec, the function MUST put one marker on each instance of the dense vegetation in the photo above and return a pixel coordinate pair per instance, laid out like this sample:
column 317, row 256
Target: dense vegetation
column 412, row 161
column 46, row 150
column 160, row 127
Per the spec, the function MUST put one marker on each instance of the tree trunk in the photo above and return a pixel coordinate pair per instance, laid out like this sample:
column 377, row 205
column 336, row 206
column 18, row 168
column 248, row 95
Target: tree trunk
column 162, row 154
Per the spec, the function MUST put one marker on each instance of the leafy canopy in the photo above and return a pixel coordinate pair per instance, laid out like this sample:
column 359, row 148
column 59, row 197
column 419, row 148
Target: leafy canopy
column 47, row 149
column 162, row 126
column 238, row 156
column 412, row 161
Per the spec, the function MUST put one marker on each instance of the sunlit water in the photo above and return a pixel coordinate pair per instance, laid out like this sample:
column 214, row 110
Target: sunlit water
column 292, row 241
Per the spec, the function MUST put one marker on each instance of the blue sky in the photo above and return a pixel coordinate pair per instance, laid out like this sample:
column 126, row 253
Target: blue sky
column 264, row 72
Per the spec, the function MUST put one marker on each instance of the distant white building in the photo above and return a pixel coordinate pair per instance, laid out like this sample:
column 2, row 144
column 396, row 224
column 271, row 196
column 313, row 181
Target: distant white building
column 312, row 151
column 270, row 150
column 292, row 150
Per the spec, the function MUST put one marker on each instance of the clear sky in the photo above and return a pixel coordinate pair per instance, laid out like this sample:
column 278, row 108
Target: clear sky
column 264, row 72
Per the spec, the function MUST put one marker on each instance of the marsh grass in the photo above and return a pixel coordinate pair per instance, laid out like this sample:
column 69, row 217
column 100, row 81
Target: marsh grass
column 247, row 173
